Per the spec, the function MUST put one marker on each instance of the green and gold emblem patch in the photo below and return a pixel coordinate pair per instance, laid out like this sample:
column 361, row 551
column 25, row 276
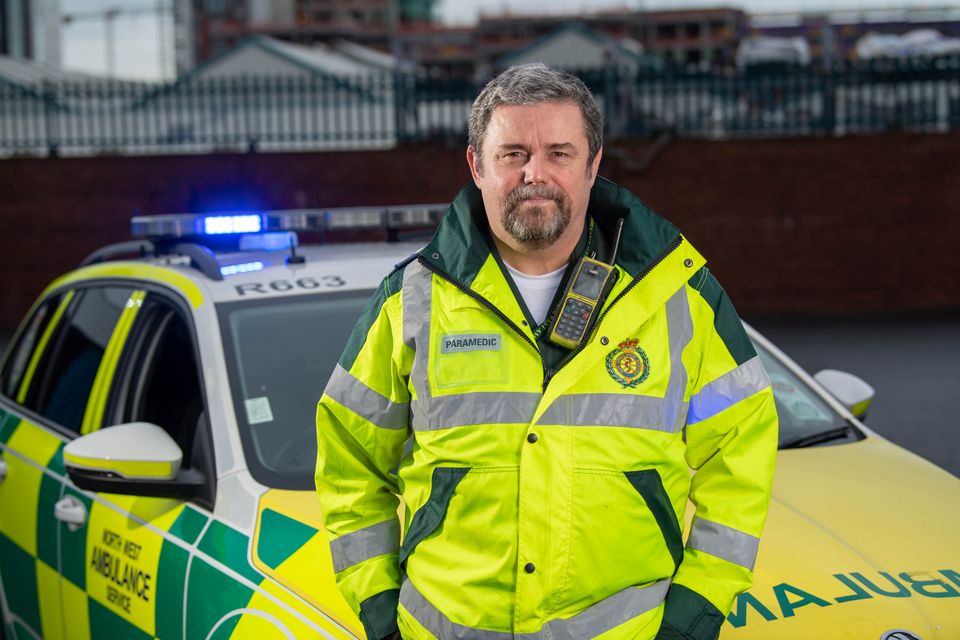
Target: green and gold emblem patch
column 628, row 363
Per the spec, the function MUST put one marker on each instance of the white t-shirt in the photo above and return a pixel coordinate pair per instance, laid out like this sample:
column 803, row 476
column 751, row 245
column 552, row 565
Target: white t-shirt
column 537, row 291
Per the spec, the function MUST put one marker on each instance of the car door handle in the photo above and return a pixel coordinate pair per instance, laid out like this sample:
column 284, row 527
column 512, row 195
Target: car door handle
column 70, row 511
column 3, row 469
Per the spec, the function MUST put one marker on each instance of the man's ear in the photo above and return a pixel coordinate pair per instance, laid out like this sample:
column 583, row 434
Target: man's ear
column 473, row 161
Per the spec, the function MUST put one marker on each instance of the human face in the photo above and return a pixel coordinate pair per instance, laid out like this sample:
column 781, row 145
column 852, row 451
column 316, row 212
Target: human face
column 534, row 175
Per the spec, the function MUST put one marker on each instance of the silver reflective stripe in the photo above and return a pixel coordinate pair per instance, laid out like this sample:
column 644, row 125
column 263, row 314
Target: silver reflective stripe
column 595, row 620
column 370, row 405
column 680, row 332
column 724, row 542
column 728, row 390
column 607, row 614
column 370, row 542
column 431, row 619
column 490, row 407
column 417, row 302
column 608, row 410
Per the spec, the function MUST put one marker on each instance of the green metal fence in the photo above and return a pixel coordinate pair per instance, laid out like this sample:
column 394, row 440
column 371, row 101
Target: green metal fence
column 196, row 115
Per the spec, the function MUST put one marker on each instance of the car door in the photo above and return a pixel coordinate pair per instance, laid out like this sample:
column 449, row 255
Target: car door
column 137, row 548
column 58, row 363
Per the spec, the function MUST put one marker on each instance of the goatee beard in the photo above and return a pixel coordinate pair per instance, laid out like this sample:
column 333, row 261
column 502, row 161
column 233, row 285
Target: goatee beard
column 534, row 226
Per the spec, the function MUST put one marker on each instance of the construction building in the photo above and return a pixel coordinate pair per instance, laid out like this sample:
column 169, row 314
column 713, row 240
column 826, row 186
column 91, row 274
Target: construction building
column 216, row 26
column 30, row 29
column 690, row 37
column 833, row 36
column 697, row 37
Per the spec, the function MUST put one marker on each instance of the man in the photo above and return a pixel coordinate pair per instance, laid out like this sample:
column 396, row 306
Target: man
column 546, row 485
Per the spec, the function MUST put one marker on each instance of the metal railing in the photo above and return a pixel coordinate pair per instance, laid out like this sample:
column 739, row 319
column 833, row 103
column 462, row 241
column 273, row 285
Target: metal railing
column 196, row 115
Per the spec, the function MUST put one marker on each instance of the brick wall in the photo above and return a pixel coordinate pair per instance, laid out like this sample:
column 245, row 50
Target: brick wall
column 819, row 225
column 814, row 225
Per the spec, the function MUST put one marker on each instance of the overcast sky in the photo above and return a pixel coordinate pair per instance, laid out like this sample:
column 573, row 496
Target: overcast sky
column 137, row 37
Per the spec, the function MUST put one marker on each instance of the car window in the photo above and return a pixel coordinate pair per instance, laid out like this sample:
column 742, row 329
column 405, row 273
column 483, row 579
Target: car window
column 65, row 376
column 158, row 381
column 29, row 346
column 280, row 355
column 158, row 377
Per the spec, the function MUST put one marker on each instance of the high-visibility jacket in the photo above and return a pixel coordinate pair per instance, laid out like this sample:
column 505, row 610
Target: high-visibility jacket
column 546, row 503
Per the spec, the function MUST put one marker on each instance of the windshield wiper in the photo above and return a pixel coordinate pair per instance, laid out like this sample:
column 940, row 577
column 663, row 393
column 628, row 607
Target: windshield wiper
column 818, row 438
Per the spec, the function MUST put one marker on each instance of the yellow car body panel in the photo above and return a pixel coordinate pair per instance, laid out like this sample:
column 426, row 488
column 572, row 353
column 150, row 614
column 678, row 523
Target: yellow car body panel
column 839, row 557
column 132, row 270
column 308, row 569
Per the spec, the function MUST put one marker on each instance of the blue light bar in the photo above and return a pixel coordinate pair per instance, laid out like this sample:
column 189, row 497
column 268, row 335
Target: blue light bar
column 243, row 267
column 244, row 223
column 185, row 225
column 270, row 241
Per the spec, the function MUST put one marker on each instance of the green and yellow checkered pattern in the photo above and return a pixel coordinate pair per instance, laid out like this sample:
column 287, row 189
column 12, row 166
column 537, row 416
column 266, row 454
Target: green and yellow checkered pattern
column 118, row 578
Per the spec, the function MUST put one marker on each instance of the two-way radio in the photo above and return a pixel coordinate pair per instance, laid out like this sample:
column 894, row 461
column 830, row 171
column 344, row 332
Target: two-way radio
column 584, row 296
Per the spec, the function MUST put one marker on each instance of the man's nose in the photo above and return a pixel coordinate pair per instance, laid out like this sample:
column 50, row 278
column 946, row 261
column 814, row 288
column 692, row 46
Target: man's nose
column 535, row 170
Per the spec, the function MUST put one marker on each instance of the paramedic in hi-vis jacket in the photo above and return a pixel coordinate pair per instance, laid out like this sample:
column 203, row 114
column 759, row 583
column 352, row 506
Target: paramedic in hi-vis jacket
column 568, row 373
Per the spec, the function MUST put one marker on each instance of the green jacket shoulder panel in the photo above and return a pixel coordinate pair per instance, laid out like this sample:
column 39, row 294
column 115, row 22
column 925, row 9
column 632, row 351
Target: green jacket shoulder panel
column 726, row 322
column 388, row 288
column 646, row 235
column 459, row 247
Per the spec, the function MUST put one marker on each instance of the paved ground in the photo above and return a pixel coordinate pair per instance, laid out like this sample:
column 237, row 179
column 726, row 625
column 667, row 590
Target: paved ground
column 912, row 361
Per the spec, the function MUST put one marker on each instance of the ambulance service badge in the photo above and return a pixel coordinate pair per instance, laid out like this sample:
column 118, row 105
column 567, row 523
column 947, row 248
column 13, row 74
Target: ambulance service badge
column 628, row 364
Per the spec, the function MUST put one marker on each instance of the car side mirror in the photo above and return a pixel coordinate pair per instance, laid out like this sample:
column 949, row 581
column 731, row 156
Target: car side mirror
column 852, row 392
column 137, row 458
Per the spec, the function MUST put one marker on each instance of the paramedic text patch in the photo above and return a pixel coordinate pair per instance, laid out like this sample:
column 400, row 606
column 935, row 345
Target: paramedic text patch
column 470, row 342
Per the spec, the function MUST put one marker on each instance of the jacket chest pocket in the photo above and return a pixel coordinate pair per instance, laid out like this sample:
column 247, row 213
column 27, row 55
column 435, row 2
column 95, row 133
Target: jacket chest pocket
column 470, row 358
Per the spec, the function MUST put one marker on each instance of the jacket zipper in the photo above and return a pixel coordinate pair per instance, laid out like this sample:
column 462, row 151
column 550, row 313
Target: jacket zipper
column 443, row 275
column 548, row 374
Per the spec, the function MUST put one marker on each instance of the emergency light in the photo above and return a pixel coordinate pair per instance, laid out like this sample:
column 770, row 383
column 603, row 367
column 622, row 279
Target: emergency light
column 204, row 238
column 270, row 241
column 244, row 267
column 241, row 224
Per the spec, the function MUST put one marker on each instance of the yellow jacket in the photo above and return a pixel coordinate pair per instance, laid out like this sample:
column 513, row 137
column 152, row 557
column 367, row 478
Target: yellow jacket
column 545, row 496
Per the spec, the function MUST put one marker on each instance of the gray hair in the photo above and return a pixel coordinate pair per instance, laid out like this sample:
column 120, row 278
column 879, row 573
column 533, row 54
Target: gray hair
column 534, row 83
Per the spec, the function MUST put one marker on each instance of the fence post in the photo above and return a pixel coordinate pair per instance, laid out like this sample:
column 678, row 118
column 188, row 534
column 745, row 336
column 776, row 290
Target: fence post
column 829, row 75
column 50, row 128
column 609, row 96
column 399, row 106
column 251, row 88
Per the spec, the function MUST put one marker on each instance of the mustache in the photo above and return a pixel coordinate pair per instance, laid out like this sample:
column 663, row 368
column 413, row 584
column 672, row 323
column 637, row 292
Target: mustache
column 525, row 191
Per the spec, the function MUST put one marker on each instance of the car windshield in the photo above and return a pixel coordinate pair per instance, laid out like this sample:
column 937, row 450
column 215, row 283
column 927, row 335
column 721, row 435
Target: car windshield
column 802, row 412
column 281, row 352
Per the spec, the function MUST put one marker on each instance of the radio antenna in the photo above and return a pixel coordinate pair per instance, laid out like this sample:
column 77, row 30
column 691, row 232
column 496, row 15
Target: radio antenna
column 616, row 241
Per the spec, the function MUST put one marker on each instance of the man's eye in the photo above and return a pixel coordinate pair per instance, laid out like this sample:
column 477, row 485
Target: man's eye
column 561, row 154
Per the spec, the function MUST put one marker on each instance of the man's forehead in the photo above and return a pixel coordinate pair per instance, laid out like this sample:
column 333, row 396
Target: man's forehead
column 569, row 109
column 562, row 119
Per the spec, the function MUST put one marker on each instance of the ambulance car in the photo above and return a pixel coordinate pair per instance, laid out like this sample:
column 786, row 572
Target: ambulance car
column 157, row 451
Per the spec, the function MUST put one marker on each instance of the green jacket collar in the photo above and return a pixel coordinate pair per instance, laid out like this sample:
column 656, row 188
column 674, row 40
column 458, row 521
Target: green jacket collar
column 459, row 247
